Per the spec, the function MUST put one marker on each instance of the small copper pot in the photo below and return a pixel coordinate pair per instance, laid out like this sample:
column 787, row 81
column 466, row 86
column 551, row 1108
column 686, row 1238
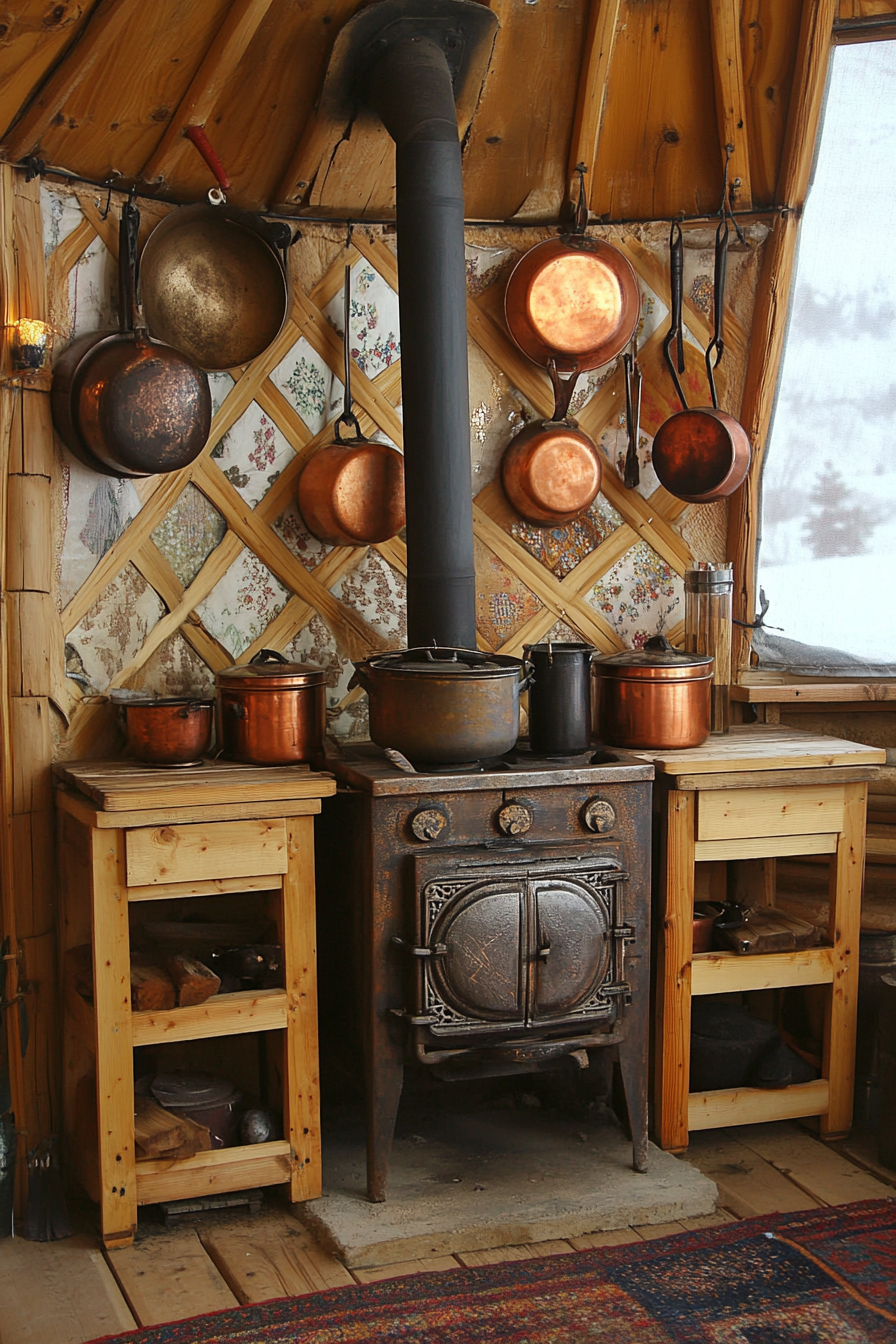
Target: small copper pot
column 169, row 731
column 551, row 471
column 655, row 697
column 351, row 493
column 272, row 711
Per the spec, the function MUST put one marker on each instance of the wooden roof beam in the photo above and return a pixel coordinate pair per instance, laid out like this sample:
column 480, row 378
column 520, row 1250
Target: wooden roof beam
column 105, row 25
column 603, row 18
column 804, row 114
column 198, row 103
column 731, row 103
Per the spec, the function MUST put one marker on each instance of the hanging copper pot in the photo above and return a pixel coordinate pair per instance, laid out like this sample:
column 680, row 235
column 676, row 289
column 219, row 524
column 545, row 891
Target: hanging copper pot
column 351, row 493
column 572, row 299
column 551, row 471
column 699, row 454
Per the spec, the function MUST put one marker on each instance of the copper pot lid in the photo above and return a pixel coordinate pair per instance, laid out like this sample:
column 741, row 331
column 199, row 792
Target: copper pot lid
column 656, row 661
column 446, row 661
column 270, row 671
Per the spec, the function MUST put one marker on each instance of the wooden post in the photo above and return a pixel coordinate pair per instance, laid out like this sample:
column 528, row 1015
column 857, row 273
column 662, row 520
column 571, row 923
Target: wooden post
column 301, row 1081
column 672, row 1043
column 841, row 1004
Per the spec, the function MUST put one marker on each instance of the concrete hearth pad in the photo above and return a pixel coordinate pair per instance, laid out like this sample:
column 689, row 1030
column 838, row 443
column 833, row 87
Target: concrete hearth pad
column 503, row 1177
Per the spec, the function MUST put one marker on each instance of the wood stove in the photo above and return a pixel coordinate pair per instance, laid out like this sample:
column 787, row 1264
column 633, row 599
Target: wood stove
column 485, row 923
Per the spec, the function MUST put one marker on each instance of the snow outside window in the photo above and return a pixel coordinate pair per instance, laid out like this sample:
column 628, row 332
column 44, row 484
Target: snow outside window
column 827, row 559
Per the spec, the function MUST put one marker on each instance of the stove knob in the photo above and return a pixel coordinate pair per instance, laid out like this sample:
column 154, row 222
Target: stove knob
column 599, row 816
column 428, row 823
column 514, row 819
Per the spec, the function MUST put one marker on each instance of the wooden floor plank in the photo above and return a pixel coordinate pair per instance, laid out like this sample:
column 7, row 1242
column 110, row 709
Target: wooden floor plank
column 861, row 1150
column 748, row 1185
column 498, row 1255
column 823, row 1173
column 271, row 1256
column 624, row 1236
column 653, row 1231
column 59, row 1291
column 717, row 1219
column 167, row 1275
column 405, row 1267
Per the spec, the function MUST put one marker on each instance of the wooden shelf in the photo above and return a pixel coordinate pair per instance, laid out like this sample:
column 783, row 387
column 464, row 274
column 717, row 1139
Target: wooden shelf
column 730, row 972
column 215, row 1172
column 757, row 1105
column 817, row 692
column 221, row 1015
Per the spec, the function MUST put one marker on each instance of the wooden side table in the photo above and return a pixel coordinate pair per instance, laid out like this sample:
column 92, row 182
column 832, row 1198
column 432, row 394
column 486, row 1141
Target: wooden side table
column 130, row 834
column 757, row 793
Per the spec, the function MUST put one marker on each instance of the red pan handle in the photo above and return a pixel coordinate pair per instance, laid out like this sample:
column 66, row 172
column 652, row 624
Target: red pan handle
column 199, row 138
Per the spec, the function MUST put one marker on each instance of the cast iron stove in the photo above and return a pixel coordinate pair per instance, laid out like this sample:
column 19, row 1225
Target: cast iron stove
column 487, row 923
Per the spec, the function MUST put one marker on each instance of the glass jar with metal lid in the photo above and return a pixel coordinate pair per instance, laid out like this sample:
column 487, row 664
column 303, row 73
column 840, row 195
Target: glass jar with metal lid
column 654, row 697
column 272, row 711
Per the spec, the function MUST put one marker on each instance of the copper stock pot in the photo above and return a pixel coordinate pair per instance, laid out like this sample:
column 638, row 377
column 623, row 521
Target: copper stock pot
column 655, row 697
column 272, row 711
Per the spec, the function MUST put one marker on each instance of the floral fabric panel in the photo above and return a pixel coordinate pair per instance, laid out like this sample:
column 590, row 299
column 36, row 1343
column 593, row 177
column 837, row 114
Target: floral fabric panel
column 378, row 592
column 373, row 320
column 497, row 412
column 503, row 602
column 309, row 385
column 220, row 385
column 93, row 291
column 315, row 644
column 640, row 596
column 485, row 265
column 561, row 547
column 188, row 534
column 113, row 631
column 60, row 216
column 290, row 528
column 252, row 454
column 96, row 510
column 176, row 669
column 243, row 603
column 613, row 443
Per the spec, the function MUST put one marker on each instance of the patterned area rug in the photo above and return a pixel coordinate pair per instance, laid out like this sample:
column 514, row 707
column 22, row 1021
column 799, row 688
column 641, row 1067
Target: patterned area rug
column 825, row 1277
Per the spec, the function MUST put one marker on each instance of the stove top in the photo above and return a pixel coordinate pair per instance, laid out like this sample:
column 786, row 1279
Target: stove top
column 368, row 767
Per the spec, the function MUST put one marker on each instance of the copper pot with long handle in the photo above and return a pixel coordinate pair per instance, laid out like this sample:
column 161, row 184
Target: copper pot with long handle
column 572, row 299
column 699, row 454
column 141, row 407
column 351, row 492
column 551, row 471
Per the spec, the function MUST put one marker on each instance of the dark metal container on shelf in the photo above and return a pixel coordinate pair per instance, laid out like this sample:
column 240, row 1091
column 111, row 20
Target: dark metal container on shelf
column 443, row 706
column 560, row 698
column 656, row 697
column 272, row 711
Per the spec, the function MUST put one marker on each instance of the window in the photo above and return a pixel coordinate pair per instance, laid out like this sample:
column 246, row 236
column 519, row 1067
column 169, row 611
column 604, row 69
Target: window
column 827, row 558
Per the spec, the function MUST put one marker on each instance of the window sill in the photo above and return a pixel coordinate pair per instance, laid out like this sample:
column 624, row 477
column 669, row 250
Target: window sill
column 754, row 688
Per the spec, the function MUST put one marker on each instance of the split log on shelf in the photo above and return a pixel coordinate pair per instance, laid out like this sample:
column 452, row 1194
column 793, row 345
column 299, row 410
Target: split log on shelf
column 196, row 1138
column 151, row 985
column 156, row 1130
column 193, row 981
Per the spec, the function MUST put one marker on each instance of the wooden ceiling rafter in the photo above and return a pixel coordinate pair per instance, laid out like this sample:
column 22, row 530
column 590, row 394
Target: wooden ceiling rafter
column 104, row 26
column 198, row 104
column 603, row 20
column 731, row 101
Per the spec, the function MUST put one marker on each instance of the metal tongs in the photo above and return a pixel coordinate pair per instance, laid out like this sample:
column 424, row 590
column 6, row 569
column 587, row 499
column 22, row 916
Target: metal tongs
column 632, row 368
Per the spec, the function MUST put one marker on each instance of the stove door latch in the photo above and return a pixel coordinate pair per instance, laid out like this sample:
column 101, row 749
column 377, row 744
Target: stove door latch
column 439, row 950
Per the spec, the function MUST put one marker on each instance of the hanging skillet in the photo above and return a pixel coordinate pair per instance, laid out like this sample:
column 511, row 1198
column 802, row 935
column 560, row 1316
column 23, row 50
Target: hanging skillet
column 213, row 284
column 551, row 471
column 572, row 299
column 702, row 453
column 351, row 493
column 140, row 407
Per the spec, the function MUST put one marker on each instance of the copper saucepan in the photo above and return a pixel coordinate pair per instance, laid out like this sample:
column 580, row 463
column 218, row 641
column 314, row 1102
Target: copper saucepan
column 572, row 299
column 212, row 281
column 351, row 493
column 551, row 471
column 699, row 454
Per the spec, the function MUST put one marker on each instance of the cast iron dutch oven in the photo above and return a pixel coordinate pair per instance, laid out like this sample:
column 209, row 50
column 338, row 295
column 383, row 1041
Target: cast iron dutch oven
column 441, row 706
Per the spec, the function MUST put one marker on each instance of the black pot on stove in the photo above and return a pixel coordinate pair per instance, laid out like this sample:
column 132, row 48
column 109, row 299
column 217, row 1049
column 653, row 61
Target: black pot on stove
column 560, row 698
column 442, row 706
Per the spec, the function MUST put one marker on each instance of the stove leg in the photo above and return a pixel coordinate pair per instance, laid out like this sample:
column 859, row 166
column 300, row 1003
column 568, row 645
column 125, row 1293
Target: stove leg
column 385, row 1074
column 633, row 1066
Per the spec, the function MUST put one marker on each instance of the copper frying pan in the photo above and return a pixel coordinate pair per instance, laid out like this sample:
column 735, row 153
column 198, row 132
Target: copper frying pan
column 703, row 453
column 572, row 299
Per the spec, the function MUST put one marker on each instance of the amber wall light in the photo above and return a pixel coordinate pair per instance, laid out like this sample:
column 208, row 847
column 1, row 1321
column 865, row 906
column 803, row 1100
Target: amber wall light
column 30, row 344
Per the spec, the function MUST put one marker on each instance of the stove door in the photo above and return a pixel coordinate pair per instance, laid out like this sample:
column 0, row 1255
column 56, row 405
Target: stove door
column 533, row 946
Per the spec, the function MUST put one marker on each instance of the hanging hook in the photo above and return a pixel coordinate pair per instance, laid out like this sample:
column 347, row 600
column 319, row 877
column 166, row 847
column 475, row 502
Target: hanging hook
column 581, row 211
column 725, row 207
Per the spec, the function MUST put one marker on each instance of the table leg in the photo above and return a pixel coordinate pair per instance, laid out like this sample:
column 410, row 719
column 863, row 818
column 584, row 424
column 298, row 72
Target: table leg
column 301, row 1084
column 114, row 1041
column 672, row 1044
column 839, row 1052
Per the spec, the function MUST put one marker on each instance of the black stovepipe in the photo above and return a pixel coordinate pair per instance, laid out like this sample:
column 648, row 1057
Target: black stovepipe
column 410, row 89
